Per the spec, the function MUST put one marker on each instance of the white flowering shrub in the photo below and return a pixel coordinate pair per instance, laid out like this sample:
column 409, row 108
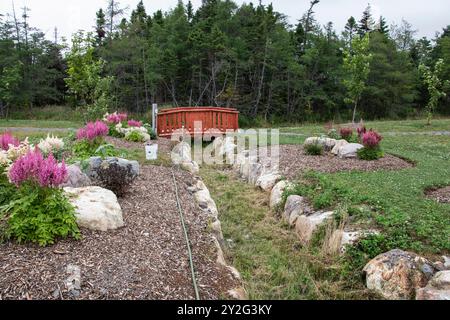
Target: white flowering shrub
column 52, row 145
column 136, row 134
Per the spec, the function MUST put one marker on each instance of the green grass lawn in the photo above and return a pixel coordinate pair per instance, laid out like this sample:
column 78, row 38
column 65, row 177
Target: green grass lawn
column 381, row 126
column 39, row 124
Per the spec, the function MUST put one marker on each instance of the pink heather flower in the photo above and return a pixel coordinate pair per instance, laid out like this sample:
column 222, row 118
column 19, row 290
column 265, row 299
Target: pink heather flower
column 371, row 139
column 92, row 131
column 346, row 132
column 6, row 140
column 361, row 131
column 134, row 123
column 116, row 118
column 32, row 167
column 123, row 116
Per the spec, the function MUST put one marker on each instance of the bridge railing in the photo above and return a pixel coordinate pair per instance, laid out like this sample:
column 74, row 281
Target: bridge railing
column 172, row 119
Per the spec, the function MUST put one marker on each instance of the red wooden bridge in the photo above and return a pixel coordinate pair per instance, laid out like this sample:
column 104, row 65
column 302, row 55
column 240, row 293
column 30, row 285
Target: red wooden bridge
column 173, row 119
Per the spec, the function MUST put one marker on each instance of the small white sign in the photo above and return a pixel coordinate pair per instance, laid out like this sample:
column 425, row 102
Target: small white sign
column 151, row 152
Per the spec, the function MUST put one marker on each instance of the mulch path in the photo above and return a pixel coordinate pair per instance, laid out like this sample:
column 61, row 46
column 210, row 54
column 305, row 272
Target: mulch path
column 294, row 160
column 146, row 259
column 441, row 195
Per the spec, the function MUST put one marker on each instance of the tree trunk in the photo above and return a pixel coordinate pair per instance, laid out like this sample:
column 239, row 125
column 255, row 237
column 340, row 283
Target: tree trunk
column 354, row 111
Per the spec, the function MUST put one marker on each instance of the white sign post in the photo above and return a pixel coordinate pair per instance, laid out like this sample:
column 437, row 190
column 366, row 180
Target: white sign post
column 154, row 117
column 151, row 151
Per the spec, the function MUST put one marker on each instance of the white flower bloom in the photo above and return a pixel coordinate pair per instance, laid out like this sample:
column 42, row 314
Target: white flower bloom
column 4, row 160
column 51, row 144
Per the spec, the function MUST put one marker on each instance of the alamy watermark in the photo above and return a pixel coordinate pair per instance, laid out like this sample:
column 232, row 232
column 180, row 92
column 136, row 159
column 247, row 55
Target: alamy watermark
column 214, row 147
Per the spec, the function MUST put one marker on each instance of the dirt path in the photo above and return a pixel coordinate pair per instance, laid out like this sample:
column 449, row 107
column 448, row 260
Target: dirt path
column 147, row 259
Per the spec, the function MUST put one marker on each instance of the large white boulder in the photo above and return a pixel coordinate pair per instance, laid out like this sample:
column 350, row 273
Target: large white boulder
column 339, row 144
column 268, row 181
column 397, row 274
column 277, row 193
column 96, row 208
column 306, row 225
column 350, row 150
column 437, row 289
column 190, row 166
column 328, row 143
column 181, row 153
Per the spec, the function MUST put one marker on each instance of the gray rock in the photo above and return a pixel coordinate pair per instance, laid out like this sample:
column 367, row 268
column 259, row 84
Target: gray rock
column 277, row 193
column 339, row 145
column 182, row 152
column 307, row 225
column 73, row 281
column 76, row 178
column 437, row 289
column 396, row 275
column 190, row 166
column 112, row 172
column 350, row 150
column 294, row 208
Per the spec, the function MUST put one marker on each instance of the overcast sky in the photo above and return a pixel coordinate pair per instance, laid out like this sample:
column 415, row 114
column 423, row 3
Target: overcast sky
column 427, row 16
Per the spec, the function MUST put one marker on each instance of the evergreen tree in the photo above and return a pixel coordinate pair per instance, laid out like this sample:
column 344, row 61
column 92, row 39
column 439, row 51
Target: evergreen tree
column 366, row 24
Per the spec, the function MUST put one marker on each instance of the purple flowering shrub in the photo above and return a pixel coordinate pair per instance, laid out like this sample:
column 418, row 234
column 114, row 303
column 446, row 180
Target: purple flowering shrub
column 92, row 131
column 371, row 139
column 372, row 150
column 34, row 168
column 37, row 211
column 6, row 140
column 135, row 123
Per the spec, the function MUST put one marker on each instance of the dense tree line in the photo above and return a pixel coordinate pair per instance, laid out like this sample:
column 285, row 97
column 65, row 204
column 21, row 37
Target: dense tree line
column 222, row 54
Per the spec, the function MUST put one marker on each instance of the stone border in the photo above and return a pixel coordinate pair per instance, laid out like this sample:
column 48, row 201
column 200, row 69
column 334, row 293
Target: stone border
column 297, row 212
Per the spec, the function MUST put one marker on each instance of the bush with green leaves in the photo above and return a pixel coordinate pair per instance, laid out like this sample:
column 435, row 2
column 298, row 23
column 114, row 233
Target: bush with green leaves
column 314, row 149
column 38, row 215
column 85, row 148
column 135, row 136
column 7, row 189
column 370, row 154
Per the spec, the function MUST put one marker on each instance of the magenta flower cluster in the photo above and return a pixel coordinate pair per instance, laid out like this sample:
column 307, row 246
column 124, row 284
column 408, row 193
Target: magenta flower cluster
column 6, row 140
column 116, row 118
column 371, row 139
column 33, row 167
column 134, row 123
column 92, row 131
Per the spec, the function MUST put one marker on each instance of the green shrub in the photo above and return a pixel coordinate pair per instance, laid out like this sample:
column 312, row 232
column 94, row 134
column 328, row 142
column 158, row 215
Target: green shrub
column 314, row 149
column 370, row 154
column 7, row 189
column 333, row 134
column 38, row 215
column 85, row 148
column 134, row 136
column 113, row 132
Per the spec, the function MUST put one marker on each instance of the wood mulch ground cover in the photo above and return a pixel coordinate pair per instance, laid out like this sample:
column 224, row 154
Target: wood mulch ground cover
column 441, row 195
column 294, row 160
column 146, row 259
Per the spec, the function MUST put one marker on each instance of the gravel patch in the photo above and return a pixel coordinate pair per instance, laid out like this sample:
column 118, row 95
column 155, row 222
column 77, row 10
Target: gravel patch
column 294, row 160
column 147, row 259
column 441, row 195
